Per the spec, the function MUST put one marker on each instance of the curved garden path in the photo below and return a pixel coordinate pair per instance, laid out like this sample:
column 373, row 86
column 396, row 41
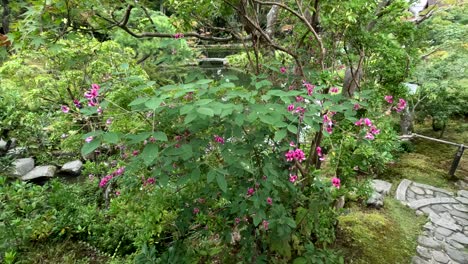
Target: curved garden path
column 445, row 235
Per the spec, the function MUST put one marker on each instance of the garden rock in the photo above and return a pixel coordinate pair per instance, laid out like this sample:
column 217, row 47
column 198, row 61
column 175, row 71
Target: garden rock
column 3, row 144
column 381, row 187
column 72, row 167
column 376, row 200
column 16, row 152
column 445, row 239
column 39, row 172
column 23, row 166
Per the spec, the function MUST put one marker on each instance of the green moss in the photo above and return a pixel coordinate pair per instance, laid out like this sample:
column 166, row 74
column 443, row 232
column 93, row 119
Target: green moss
column 386, row 236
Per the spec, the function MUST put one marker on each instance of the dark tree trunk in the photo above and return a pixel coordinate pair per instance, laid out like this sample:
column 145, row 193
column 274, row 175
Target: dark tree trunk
column 5, row 17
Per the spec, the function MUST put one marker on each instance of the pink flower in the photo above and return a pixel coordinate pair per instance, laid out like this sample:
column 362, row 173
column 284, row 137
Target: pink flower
column 269, row 200
column 265, row 224
column 135, row 153
column 359, row 122
column 291, row 107
column 250, row 191
column 367, row 122
column 292, row 144
column 219, row 139
column 152, row 139
column 374, row 130
column 389, row 99
column 327, row 120
column 334, row 90
column 369, row 136
column 283, row 70
column 65, row 109
column 150, row 181
column 117, row 193
column 178, row 35
column 310, row 88
column 89, row 139
column 99, row 110
column 237, row 220
column 105, row 180
column 401, row 105
column 119, row 171
column 91, row 177
column 299, row 99
column 336, row 182
column 356, row 107
column 196, row 210
column 109, row 121
column 290, row 155
column 300, row 110
column 319, row 151
column 329, row 129
column 77, row 104
column 292, row 178
column 299, row 155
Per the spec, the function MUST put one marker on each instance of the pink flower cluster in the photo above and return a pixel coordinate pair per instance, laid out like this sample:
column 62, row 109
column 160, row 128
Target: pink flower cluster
column 310, row 87
column 300, row 110
column 372, row 129
column 219, row 139
column 178, row 35
column 283, row 70
column 65, row 109
column 401, row 103
column 92, row 95
column 334, row 90
column 297, row 154
column 109, row 177
column 292, row 178
column 320, row 154
column 250, row 191
column 327, row 122
column 336, row 182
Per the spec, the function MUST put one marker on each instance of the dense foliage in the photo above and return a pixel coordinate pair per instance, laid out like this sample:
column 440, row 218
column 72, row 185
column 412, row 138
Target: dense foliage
column 194, row 169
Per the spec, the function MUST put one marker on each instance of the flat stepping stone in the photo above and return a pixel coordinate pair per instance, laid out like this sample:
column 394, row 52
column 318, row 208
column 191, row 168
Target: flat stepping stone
column 39, row 172
column 431, row 201
column 401, row 190
column 381, row 187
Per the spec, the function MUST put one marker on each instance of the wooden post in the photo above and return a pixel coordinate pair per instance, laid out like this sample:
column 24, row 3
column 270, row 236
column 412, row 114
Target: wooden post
column 456, row 160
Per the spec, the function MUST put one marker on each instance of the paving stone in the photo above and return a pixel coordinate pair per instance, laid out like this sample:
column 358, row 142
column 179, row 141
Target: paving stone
column 425, row 202
column 417, row 190
column 457, row 255
column 459, row 214
column 410, row 194
column 440, row 256
column 460, row 221
column 448, row 223
column 425, row 186
column 429, row 242
column 455, row 244
column 418, row 260
column 427, row 210
column 429, row 226
column 443, row 231
column 419, row 197
column 448, row 206
column 460, row 238
column 461, row 207
column 424, row 252
column 430, row 192
column 401, row 190
column 463, row 193
column 440, row 194
column 438, row 208
column 462, row 200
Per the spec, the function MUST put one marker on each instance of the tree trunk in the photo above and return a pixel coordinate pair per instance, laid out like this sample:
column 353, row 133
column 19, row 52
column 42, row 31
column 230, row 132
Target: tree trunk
column 352, row 81
column 272, row 17
column 5, row 17
column 406, row 122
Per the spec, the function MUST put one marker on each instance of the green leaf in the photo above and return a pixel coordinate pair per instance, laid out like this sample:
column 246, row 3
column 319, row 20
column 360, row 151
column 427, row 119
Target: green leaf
column 203, row 102
column 186, row 109
column 190, row 117
column 221, row 182
column 111, row 137
column 134, row 139
column 153, row 103
column 138, row 101
column 160, row 136
column 280, row 134
column 205, row 111
column 204, row 81
column 90, row 147
column 195, row 175
column 293, row 129
column 150, row 153
column 257, row 219
column 211, row 176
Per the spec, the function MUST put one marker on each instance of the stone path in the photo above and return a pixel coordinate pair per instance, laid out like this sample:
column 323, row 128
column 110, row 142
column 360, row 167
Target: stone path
column 445, row 235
